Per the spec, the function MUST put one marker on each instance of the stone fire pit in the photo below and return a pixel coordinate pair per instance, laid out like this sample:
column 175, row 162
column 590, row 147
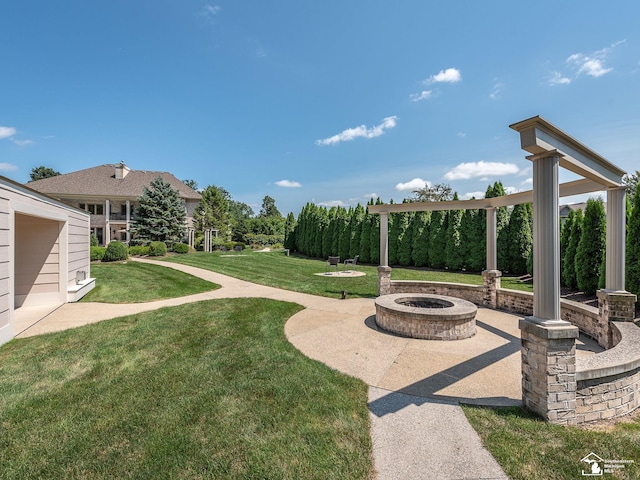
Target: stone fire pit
column 430, row 317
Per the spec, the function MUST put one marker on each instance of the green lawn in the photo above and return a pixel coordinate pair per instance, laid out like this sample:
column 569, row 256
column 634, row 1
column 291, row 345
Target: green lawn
column 204, row 390
column 528, row 448
column 135, row 282
column 297, row 273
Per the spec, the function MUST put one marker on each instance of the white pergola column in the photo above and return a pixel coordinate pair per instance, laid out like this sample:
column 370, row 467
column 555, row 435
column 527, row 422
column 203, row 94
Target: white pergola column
column 128, row 218
column 546, row 238
column 107, row 223
column 492, row 249
column 616, row 230
column 384, row 239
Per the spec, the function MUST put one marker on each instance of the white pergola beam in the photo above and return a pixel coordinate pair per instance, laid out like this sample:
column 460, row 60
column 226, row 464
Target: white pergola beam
column 538, row 136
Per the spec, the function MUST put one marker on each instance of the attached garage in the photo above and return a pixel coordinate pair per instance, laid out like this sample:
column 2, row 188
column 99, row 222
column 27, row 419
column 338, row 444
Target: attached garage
column 44, row 253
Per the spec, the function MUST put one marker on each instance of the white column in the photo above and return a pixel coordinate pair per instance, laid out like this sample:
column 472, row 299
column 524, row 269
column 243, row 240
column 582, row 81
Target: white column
column 546, row 238
column 492, row 249
column 107, row 224
column 616, row 230
column 128, row 208
column 384, row 239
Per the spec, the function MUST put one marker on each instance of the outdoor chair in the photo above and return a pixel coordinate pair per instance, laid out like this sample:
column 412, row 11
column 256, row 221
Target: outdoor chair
column 333, row 262
column 351, row 261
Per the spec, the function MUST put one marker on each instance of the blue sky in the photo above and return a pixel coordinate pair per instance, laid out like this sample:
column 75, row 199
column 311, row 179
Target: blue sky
column 328, row 102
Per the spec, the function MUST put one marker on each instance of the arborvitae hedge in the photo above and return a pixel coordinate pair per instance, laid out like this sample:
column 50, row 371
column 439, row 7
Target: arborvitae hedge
column 520, row 234
column 569, row 263
column 633, row 246
column 454, row 249
column 437, row 239
column 591, row 248
column 420, row 238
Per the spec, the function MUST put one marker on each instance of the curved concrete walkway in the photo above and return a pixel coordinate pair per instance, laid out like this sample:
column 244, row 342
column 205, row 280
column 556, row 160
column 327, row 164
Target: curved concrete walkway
column 418, row 427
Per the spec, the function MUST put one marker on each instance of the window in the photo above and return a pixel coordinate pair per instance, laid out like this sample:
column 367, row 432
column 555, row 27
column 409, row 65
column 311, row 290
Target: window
column 93, row 208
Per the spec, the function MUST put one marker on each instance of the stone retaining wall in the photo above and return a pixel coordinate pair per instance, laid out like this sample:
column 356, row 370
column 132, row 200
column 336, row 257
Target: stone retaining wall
column 608, row 384
column 472, row 293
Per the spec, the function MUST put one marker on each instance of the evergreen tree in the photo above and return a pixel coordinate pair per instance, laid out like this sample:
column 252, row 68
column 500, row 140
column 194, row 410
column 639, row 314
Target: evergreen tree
column 502, row 220
column 327, row 234
column 365, row 239
column 289, row 232
column 569, row 265
column 520, row 237
column 38, row 173
column 406, row 244
column 357, row 218
column 565, row 237
column 397, row 228
column 437, row 239
column 633, row 246
column 474, row 239
column 454, row 249
column 213, row 212
column 420, row 237
column 344, row 240
column 591, row 249
column 374, row 243
column 321, row 223
column 161, row 215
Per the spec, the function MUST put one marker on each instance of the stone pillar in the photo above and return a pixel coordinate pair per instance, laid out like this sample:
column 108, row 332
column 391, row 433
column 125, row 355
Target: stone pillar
column 492, row 248
column 616, row 230
column 549, row 370
column 613, row 306
column 384, row 239
column 490, row 286
column 384, row 280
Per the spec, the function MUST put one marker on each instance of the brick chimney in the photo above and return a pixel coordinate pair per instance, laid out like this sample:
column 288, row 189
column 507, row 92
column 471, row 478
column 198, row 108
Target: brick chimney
column 122, row 170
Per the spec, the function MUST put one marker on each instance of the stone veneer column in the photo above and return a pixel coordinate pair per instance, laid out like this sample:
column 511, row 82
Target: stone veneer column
column 548, row 342
column 549, row 370
column 490, row 284
column 614, row 307
column 384, row 280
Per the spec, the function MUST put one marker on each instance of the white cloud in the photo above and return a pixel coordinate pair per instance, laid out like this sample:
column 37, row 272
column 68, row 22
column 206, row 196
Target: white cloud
column 7, row 167
column 470, row 195
column 21, row 143
column 450, row 75
column 558, row 79
column 211, row 10
column 371, row 195
column 6, row 132
column 461, row 134
column 527, row 181
column 423, row 95
column 495, row 93
column 361, row 131
column 288, row 184
column 467, row 170
column 510, row 190
column 333, row 203
column 414, row 184
column 590, row 66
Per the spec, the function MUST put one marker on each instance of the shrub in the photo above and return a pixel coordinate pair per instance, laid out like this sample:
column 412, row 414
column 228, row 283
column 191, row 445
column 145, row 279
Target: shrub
column 115, row 252
column 97, row 253
column 139, row 250
column 180, row 248
column 157, row 249
column 93, row 241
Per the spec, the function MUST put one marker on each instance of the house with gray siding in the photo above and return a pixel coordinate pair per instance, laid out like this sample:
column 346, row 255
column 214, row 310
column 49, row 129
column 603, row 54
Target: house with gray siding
column 109, row 194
